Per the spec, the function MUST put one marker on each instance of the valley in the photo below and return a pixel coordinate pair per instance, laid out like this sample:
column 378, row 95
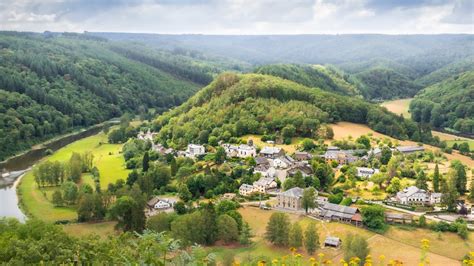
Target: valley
column 228, row 154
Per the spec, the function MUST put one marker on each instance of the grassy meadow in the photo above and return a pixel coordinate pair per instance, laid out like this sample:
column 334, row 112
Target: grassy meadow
column 398, row 243
column 399, row 107
column 111, row 164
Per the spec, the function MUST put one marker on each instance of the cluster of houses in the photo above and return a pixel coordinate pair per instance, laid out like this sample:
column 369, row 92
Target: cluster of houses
column 350, row 156
column 416, row 196
column 271, row 164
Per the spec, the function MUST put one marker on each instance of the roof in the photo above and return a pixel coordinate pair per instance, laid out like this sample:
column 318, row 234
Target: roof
column 261, row 160
column 195, row 146
column 332, row 240
column 295, row 192
column 409, row 191
column 246, row 187
column 264, row 181
column 153, row 201
column 246, row 147
column 331, row 209
column 270, row 150
column 393, row 215
column 409, row 148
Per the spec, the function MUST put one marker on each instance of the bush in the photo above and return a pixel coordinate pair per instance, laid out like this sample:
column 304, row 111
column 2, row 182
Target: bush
column 346, row 202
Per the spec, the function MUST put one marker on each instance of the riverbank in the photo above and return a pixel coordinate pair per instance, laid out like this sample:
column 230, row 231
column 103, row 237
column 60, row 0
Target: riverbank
column 35, row 202
column 28, row 158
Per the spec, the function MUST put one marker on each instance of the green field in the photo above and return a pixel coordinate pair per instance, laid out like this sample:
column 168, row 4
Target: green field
column 451, row 143
column 108, row 159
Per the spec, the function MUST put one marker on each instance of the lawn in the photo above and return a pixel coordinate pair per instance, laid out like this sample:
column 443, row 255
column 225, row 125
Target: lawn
column 470, row 142
column 82, row 229
column 107, row 158
column 288, row 148
column 399, row 107
column 396, row 243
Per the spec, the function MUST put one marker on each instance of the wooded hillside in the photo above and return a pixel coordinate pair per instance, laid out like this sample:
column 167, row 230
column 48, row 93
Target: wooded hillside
column 50, row 84
column 234, row 105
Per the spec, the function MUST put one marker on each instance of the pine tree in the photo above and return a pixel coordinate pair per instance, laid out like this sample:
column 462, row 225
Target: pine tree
column 246, row 235
column 296, row 236
column 436, row 179
column 311, row 239
column 146, row 161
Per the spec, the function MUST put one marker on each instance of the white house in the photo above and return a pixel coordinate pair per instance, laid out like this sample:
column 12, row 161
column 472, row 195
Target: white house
column 161, row 204
column 283, row 162
column 366, row 172
column 146, row 135
column 241, row 151
column 415, row 196
column 264, row 184
column 194, row 150
column 246, row 189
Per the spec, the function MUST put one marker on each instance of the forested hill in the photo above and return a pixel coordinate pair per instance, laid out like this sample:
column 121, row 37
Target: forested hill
column 50, row 84
column 448, row 104
column 237, row 104
column 327, row 78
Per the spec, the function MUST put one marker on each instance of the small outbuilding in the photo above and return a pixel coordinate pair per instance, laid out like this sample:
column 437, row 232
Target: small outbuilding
column 332, row 241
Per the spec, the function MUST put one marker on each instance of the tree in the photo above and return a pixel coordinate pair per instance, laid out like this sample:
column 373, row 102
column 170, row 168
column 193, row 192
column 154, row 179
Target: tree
column 75, row 167
column 70, row 192
column 459, row 175
column 471, row 191
column 373, row 216
column 85, row 209
column 309, row 199
column 57, row 198
column 126, row 210
column 180, row 207
column 173, row 166
column 277, row 229
column 449, row 194
column 355, row 246
column 464, row 148
column 296, row 236
column 421, row 181
column 307, row 144
column 385, row 155
column 246, row 235
column 210, row 223
column 422, row 221
column 395, row 185
column 184, row 193
column 311, row 238
column 378, row 179
column 436, row 179
column 227, row 229
column 160, row 222
column 220, row 155
column 364, row 140
column 146, row 162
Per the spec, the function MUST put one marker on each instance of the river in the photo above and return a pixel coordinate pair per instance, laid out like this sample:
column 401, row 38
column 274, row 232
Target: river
column 14, row 168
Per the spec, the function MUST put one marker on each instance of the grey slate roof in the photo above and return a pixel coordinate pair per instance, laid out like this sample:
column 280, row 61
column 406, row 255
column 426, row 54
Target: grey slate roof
column 331, row 209
column 332, row 240
column 295, row 192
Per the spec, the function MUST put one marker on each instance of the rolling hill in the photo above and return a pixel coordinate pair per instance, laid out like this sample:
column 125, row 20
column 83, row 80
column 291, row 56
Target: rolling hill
column 327, row 78
column 448, row 104
column 53, row 83
column 237, row 104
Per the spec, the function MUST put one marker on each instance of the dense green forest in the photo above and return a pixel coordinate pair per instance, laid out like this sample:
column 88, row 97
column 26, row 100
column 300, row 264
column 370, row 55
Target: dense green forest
column 53, row 83
column 448, row 104
column 384, row 83
column 327, row 78
column 234, row 105
column 446, row 72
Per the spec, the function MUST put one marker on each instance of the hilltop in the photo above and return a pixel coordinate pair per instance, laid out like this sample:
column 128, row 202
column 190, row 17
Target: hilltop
column 237, row 104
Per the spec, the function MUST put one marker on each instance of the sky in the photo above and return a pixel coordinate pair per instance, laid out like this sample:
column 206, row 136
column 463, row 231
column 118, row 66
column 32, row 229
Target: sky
column 240, row 16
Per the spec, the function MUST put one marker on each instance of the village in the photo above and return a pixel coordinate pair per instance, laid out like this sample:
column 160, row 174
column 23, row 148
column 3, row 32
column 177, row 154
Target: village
column 272, row 167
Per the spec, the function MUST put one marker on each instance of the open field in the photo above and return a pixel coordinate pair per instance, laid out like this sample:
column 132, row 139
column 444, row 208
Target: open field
column 102, row 229
column 107, row 158
column 398, row 107
column 397, row 243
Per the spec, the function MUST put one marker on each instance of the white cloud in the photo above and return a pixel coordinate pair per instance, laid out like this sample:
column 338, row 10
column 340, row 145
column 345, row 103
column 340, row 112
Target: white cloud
column 239, row 16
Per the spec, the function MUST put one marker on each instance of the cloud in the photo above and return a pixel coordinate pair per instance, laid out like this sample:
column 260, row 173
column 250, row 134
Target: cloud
column 239, row 16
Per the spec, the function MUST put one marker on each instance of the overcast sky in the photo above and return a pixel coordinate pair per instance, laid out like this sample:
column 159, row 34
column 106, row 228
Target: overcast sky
column 240, row 16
